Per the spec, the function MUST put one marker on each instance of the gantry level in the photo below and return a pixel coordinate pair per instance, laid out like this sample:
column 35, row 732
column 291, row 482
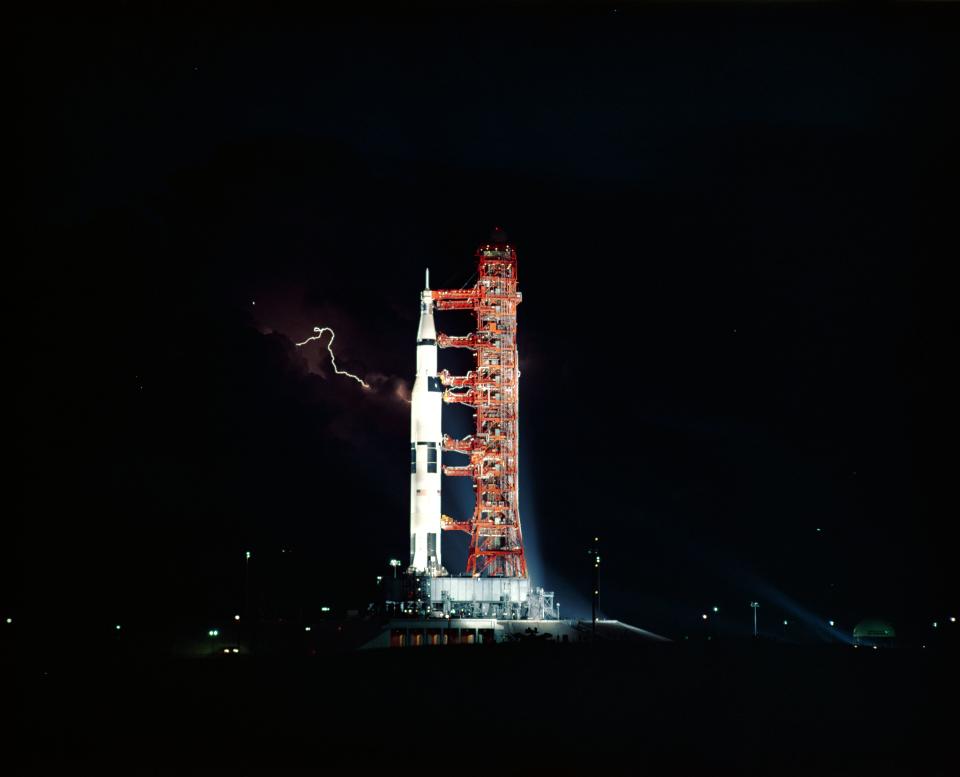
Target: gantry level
column 491, row 389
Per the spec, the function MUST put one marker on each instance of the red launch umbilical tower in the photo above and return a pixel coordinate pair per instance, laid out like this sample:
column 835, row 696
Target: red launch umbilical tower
column 491, row 389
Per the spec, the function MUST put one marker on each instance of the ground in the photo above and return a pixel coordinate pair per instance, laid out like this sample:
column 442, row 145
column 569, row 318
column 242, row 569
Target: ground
column 702, row 708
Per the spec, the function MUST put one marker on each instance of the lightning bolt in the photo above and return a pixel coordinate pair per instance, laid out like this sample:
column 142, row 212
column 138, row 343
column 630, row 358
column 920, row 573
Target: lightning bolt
column 319, row 333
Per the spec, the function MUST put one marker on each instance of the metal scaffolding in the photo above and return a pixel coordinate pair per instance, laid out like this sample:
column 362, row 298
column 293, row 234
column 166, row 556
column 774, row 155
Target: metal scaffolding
column 491, row 389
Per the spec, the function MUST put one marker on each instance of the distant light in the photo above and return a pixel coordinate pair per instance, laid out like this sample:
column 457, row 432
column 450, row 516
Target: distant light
column 934, row 624
column 704, row 616
column 211, row 633
column 9, row 620
column 236, row 617
column 236, row 650
column 874, row 647
column 306, row 628
column 248, row 555
column 818, row 528
column 226, row 650
column 953, row 619
column 324, row 609
column 830, row 622
column 716, row 609
column 784, row 623
column 379, row 578
column 394, row 562
column 117, row 627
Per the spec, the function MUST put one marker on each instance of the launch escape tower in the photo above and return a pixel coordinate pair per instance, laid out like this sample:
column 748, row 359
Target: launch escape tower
column 491, row 389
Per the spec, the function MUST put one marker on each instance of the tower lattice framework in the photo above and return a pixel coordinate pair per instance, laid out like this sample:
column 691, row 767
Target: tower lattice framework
column 491, row 389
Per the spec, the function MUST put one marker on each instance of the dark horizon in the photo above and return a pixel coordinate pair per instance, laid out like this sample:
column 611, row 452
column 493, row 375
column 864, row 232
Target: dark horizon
column 732, row 234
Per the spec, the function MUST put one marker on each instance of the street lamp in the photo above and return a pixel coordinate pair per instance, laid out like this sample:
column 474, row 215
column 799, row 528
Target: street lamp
column 595, row 553
column 245, row 601
column 395, row 563
column 754, row 606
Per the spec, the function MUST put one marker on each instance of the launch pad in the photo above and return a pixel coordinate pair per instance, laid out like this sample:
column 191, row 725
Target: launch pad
column 495, row 600
column 496, row 584
column 504, row 598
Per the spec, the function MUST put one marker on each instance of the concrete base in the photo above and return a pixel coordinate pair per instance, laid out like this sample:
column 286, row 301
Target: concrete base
column 499, row 598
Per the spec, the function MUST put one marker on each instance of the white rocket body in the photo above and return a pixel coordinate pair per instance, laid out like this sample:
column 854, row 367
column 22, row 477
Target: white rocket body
column 425, row 445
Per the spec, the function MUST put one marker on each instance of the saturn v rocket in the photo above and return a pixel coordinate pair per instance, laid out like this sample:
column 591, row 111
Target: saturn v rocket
column 425, row 446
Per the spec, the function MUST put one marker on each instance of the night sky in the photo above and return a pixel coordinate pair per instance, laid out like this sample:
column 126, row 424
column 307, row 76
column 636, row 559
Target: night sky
column 732, row 226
